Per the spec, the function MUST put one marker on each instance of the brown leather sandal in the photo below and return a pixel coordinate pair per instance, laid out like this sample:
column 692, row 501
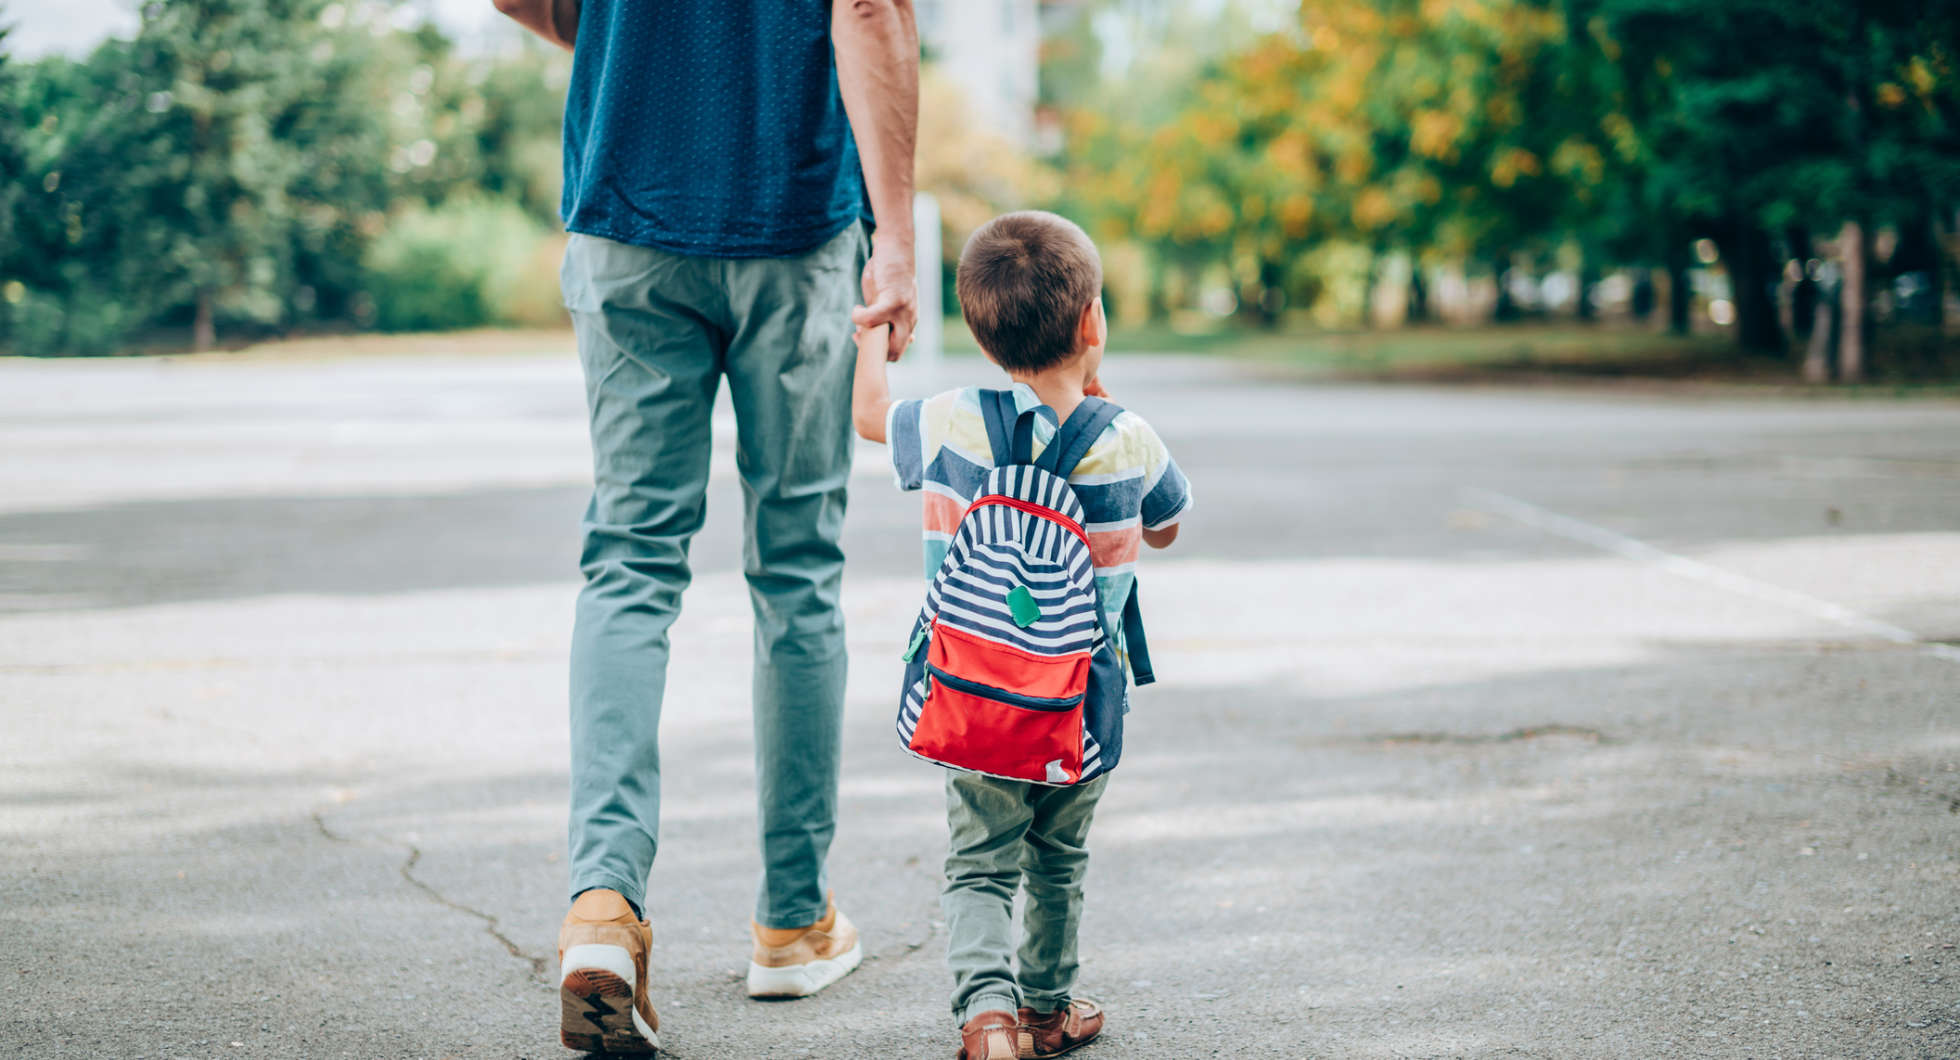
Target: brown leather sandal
column 1053, row 1033
column 990, row 1036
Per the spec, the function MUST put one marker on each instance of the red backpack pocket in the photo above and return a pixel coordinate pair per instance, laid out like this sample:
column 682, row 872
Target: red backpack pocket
column 997, row 709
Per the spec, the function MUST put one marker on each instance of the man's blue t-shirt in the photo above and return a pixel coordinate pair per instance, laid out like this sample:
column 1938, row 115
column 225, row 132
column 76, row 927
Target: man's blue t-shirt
column 709, row 128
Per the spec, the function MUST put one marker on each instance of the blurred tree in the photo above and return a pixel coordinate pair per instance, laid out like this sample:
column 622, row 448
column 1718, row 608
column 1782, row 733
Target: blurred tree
column 230, row 166
column 13, row 149
column 1449, row 128
column 268, row 140
column 1757, row 116
column 974, row 173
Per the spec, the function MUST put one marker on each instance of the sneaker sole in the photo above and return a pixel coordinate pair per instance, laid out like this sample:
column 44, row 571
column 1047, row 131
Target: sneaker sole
column 802, row 980
column 595, row 1003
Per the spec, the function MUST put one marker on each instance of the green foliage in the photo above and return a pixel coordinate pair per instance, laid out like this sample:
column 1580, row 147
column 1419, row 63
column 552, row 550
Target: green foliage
column 459, row 265
column 1591, row 132
column 1753, row 119
column 227, row 169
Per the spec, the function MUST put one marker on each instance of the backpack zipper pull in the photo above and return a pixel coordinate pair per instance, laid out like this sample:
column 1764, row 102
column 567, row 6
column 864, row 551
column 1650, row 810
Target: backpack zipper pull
column 918, row 639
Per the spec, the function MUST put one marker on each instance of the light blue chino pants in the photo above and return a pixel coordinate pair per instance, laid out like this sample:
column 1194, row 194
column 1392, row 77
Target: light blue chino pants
column 657, row 332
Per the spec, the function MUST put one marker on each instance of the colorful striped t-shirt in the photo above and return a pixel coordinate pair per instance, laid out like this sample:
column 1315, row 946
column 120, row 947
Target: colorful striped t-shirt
column 1127, row 481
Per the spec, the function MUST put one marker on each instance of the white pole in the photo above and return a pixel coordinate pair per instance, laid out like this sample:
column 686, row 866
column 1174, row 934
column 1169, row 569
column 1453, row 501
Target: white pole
column 926, row 341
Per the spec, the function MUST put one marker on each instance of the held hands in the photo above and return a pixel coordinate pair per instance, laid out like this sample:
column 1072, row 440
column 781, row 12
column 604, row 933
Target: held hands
column 1094, row 388
column 873, row 343
column 891, row 294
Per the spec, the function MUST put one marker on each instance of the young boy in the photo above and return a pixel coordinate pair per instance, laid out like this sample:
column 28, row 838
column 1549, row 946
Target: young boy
column 1029, row 286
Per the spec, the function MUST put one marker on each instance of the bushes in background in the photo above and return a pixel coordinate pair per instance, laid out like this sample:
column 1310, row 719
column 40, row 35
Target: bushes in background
column 467, row 263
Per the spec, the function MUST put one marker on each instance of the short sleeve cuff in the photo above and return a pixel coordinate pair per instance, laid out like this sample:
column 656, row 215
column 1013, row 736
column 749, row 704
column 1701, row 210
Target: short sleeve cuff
column 904, row 433
column 1173, row 517
column 1168, row 500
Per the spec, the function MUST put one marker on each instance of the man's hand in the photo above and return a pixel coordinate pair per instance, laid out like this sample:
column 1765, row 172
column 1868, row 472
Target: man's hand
column 891, row 293
column 1094, row 388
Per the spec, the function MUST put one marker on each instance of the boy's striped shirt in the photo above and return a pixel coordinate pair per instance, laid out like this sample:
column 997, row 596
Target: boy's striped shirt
column 1127, row 482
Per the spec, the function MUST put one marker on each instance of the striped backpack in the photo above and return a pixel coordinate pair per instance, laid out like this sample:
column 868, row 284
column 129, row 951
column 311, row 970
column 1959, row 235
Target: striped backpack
column 1009, row 669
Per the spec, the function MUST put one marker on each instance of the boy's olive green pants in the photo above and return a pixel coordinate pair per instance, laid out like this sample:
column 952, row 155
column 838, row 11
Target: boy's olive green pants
column 1008, row 834
column 657, row 333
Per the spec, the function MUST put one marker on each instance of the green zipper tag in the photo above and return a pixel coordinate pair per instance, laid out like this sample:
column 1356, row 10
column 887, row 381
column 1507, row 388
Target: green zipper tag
column 1021, row 605
column 912, row 649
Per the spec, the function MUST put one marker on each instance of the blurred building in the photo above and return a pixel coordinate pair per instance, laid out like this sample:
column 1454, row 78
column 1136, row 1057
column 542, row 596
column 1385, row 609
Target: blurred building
column 991, row 49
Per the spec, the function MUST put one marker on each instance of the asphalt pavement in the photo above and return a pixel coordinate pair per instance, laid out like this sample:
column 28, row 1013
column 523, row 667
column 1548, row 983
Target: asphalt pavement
column 1492, row 722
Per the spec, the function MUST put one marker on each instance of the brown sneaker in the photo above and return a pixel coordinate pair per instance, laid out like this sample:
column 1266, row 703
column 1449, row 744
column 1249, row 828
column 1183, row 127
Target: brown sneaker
column 602, row 994
column 989, row 1036
column 1054, row 1033
column 798, row 962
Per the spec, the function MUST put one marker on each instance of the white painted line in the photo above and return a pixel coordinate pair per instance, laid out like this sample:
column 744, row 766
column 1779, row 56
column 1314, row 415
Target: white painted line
column 1639, row 551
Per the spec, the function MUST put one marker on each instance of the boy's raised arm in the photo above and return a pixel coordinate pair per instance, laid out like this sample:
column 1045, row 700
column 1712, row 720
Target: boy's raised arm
column 871, row 396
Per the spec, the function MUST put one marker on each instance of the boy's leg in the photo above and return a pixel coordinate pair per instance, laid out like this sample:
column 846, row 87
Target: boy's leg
column 651, row 359
column 987, row 819
column 789, row 373
column 1055, row 859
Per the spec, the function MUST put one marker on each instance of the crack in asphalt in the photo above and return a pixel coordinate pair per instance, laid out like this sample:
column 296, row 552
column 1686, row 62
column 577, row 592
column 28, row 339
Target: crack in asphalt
column 407, row 872
column 933, row 924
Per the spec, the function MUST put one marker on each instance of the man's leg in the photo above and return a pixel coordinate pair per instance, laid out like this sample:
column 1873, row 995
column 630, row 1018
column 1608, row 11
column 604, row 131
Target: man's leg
column 651, row 353
column 789, row 373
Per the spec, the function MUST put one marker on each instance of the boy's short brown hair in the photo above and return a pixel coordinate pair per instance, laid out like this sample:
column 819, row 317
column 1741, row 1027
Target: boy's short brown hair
column 1024, row 280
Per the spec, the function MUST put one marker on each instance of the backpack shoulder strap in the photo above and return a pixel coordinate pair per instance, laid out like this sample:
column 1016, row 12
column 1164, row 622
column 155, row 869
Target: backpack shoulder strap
column 997, row 409
column 1133, row 640
column 1010, row 431
column 1075, row 438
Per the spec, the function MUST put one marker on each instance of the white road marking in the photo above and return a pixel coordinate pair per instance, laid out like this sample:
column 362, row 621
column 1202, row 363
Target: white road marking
column 1680, row 566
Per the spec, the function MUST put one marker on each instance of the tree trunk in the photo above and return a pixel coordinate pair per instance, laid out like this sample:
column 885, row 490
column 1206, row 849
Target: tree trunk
column 1752, row 270
column 1506, row 309
column 1418, row 307
column 1641, row 306
column 1157, row 304
column 1588, row 279
column 1272, row 292
column 1918, row 254
column 1680, row 293
column 204, row 329
column 1851, row 330
column 1938, row 278
column 1803, row 296
column 1817, row 355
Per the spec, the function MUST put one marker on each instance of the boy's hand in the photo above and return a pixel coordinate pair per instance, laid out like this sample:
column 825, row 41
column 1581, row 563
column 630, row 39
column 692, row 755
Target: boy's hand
column 870, row 395
column 874, row 342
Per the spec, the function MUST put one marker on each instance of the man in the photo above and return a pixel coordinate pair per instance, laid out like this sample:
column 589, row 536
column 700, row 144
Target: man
column 719, row 158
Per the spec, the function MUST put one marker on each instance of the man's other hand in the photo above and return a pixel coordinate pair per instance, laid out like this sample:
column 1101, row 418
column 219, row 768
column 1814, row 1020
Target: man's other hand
column 891, row 292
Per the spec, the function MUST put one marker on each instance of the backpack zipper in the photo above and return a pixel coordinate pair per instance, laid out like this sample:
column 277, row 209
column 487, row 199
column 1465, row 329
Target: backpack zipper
column 1013, row 699
column 1035, row 510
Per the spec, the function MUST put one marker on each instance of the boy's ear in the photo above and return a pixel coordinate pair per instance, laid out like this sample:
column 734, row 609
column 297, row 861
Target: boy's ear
column 1093, row 329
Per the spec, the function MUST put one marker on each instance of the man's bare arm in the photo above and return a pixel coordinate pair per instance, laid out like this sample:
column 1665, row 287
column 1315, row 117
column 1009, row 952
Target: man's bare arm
column 877, row 44
column 554, row 20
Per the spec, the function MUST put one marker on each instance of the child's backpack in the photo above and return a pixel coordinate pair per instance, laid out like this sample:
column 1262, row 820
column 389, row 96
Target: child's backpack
column 1009, row 670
